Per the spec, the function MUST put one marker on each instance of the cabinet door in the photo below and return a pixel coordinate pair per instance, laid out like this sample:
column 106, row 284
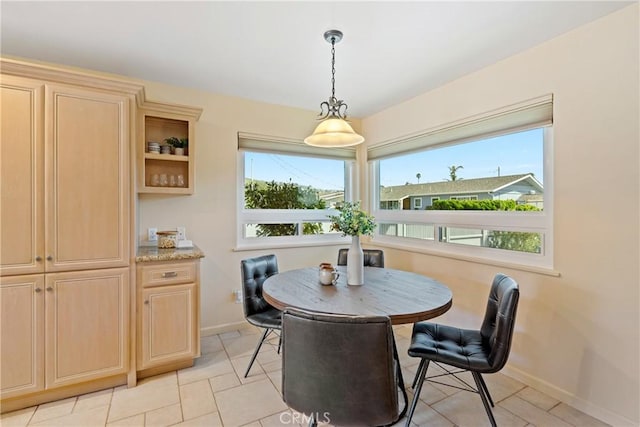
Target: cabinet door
column 87, row 320
column 21, row 335
column 169, row 325
column 21, row 176
column 87, row 179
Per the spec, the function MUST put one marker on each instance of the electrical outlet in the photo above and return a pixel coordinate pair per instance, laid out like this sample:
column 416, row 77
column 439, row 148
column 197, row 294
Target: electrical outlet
column 182, row 233
column 152, row 234
column 238, row 294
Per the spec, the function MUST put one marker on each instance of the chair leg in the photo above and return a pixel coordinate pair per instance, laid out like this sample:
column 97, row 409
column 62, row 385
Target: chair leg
column 280, row 342
column 420, row 367
column 485, row 402
column 486, row 390
column 417, row 390
column 255, row 352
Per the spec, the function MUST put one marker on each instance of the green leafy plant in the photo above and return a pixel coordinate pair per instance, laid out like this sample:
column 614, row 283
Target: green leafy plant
column 177, row 142
column 352, row 221
column 282, row 195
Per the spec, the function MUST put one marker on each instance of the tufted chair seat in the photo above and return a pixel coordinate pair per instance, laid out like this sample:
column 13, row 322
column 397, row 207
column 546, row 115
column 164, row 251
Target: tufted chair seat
column 482, row 351
column 461, row 348
column 372, row 257
column 257, row 310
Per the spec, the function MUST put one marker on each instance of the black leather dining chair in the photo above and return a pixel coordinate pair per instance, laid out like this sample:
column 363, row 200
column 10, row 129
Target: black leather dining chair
column 372, row 257
column 482, row 351
column 257, row 310
column 342, row 370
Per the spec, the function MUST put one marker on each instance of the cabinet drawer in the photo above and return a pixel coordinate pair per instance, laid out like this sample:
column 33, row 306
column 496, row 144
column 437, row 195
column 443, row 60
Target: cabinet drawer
column 168, row 274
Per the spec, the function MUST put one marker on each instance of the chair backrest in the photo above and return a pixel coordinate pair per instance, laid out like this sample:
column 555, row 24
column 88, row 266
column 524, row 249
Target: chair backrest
column 499, row 319
column 372, row 257
column 341, row 368
column 254, row 272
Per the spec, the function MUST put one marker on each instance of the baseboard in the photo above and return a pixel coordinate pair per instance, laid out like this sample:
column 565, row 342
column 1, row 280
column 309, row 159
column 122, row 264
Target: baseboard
column 570, row 399
column 227, row 327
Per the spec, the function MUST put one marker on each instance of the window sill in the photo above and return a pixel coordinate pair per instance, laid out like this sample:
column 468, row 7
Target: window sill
column 461, row 257
column 291, row 244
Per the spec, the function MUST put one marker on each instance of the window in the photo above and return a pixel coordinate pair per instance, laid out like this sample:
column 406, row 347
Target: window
column 287, row 190
column 487, row 182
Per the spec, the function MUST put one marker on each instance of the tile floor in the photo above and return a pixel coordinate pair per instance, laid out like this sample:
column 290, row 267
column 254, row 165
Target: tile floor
column 214, row 393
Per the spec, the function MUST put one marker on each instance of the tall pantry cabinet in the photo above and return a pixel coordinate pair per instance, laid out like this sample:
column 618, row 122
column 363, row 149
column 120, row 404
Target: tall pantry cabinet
column 65, row 217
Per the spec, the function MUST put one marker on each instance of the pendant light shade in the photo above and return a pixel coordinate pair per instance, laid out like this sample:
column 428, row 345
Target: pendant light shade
column 333, row 130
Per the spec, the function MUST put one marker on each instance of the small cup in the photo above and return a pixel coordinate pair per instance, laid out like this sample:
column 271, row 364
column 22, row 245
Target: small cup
column 164, row 180
column 172, row 181
column 328, row 275
column 155, row 180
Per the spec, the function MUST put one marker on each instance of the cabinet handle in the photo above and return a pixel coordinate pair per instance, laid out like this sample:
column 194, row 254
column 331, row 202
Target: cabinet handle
column 38, row 258
column 38, row 290
column 49, row 258
column 147, row 302
column 169, row 274
column 49, row 289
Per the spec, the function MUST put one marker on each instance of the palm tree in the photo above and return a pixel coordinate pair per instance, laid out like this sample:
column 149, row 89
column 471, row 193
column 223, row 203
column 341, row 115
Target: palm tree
column 418, row 175
column 452, row 173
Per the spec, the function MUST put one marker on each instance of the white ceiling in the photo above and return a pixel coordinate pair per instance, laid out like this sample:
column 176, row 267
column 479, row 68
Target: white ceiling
column 275, row 51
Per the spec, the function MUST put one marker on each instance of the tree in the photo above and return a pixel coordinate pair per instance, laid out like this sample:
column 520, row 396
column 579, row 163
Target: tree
column 418, row 175
column 452, row 173
column 282, row 195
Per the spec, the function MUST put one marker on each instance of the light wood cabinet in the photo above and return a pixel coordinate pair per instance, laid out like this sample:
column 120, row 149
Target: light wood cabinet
column 87, row 182
column 83, row 201
column 166, row 173
column 65, row 243
column 168, row 313
column 21, row 176
column 87, row 325
column 21, row 335
column 62, row 328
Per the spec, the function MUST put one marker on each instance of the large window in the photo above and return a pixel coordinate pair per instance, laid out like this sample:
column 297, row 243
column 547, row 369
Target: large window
column 288, row 190
column 479, row 188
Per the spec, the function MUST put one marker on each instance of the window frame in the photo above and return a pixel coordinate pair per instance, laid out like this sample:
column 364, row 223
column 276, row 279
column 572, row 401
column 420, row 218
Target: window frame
column 278, row 216
column 536, row 222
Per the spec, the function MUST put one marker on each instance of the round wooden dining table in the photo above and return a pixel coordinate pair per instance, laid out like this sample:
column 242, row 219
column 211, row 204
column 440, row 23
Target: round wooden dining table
column 403, row 296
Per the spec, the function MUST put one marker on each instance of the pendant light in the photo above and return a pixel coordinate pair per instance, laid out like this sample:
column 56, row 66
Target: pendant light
column 333, row 130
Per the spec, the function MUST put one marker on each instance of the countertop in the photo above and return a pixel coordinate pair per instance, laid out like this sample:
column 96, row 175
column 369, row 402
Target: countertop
column 153, row 253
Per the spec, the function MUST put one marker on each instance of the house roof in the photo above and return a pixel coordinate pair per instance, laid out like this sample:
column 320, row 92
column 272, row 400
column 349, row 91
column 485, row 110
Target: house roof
column 462, row 186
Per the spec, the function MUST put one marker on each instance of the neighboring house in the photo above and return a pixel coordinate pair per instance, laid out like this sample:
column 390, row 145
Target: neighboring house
column 333, row 199
column 524, row 189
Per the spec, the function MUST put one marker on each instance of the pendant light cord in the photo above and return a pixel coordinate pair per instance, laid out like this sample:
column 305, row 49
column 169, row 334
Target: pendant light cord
column 333, row 67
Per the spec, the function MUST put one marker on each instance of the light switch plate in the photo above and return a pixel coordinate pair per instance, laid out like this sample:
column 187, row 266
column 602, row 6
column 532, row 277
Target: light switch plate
column 182, row 233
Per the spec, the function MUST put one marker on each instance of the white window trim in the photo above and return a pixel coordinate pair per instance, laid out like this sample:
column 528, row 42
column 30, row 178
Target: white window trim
column 535, row 222
column 279, row 216
column 417, row 203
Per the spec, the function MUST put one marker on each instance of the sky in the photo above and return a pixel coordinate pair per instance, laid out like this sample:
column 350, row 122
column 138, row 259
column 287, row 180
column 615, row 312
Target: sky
column 512, row 154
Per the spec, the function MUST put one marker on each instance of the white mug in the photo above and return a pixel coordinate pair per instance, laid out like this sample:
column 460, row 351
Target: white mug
column 328, row 275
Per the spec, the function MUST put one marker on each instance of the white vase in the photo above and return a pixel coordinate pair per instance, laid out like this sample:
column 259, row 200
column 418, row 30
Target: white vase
column 355, row 263
column 179, row 151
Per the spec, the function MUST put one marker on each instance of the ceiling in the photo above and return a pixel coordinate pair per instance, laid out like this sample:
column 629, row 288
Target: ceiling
column 275, row 51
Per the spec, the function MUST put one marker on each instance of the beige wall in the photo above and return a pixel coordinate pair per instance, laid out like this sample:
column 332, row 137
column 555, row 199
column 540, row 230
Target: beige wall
column 210, row 214
column 577, row 334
